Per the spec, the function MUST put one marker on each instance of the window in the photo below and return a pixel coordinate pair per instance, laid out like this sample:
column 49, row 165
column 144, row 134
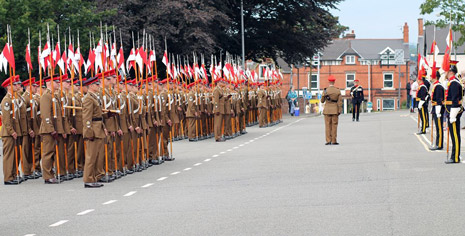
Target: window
column 350, row 80
column 388, row 104
column 388, row 58
column 388, row 80
column 350, row 59
column 313, row 82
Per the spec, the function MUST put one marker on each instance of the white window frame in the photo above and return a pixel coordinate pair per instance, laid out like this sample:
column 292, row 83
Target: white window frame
column 347, row 74
column 384, row 80
column 350, row 59
column 393, row 104
column 310, row 79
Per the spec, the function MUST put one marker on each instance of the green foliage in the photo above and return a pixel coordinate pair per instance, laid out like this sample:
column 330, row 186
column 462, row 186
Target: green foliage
column 34, row 15
column 450, row 11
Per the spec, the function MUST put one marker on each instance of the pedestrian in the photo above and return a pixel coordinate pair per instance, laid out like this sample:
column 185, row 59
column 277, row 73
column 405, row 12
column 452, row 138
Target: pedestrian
column 291, row 99
column 409, row 98
column 332, row 100
column 413, row 95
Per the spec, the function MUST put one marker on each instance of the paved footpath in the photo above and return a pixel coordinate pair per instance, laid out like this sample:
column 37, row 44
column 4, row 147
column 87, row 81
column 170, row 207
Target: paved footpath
column 280, row 180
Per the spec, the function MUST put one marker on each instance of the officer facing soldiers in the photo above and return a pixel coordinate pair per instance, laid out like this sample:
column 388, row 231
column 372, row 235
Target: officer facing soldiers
column 332, row 109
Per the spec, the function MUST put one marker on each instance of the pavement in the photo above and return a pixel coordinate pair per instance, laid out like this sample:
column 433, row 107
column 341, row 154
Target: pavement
column 280, row 180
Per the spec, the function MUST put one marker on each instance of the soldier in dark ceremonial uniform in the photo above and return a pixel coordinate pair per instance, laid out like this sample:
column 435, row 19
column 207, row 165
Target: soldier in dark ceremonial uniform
column 454, row 109
column 357, row 98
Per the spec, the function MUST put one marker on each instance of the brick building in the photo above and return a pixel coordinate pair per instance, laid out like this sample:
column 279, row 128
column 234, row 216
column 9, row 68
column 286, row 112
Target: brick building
column 372, row 61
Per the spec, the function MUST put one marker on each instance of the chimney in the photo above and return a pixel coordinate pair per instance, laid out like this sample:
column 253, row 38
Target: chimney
column 350, row 35
column 406, row 33
column 420, row 26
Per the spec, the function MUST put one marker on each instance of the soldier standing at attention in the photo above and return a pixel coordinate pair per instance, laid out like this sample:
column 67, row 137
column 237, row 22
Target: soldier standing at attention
column 454, row 95
column 332, row 109
column 437, row 100
column 94, row 133
column 357, row 98
column 10, row 132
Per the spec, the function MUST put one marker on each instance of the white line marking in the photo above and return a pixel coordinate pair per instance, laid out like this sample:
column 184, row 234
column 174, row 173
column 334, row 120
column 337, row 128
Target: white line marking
column 130, row 193
column 109, row 202
column 58, row 223
column 222, row 152
column 175, row 173
column 162, row 178
column 188, row 168
column 423, row 143
column 85, row 212
column 215, row 155
column 197, row 164
column 235, row 147
column 241, row 145
column 30, row 235
column 251, row 140
column 229, row 150
column 147, row 185
column 206, row 160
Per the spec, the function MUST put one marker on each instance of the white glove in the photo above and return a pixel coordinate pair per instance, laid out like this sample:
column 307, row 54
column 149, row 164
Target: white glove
column 453, row 114
column 420, row 104
column 438, row 111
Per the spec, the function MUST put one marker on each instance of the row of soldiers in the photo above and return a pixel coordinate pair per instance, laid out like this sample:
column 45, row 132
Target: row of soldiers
column 446, row 102
column 104, row 127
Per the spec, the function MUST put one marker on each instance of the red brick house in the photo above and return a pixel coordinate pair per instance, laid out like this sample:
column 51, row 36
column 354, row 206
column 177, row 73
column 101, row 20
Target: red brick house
column 377, row 63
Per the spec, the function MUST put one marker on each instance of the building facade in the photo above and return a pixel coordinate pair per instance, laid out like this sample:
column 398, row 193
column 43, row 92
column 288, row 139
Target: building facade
column 381, row 66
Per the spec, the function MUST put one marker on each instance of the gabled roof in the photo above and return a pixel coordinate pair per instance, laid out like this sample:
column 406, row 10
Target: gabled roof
column 368, row 49
column 441, row 35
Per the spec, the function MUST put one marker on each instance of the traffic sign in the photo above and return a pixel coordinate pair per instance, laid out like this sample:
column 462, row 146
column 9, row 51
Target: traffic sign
column 399, row 57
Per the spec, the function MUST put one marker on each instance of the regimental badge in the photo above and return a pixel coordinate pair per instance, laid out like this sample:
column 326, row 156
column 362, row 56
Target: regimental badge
column 88, row 124
column 6, row 107
column 47, row 120
column 191, row 99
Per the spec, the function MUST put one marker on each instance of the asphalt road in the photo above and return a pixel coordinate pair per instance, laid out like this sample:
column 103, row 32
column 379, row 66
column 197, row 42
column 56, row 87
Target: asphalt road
column 280, row 180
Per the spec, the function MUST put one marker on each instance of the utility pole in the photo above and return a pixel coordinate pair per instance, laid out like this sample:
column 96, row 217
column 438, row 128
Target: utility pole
column 242, row 32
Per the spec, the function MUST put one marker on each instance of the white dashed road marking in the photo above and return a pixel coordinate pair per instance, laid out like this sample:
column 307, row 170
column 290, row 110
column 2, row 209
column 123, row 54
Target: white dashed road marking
column 197, row 164
column 175, row 173
column 187, row 169
column 235, row 147
column 109, row 202
column 229, row 150
column 207, row 160
column 147, row 185
column 222, row 152
column 85, row 212
column 30, row 235
column 130, row 193
column 162, row 178
column 215, row 155
column 58, row 223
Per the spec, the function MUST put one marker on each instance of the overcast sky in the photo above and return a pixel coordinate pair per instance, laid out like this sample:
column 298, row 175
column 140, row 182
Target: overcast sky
column 381, row 18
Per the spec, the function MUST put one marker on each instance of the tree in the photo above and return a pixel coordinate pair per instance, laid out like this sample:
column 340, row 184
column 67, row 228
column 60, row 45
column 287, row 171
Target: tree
column 450, row 12
column 292, row 29
column 36, row 14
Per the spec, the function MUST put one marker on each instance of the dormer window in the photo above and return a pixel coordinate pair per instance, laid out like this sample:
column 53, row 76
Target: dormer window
column 388, row 57
column 350, row 59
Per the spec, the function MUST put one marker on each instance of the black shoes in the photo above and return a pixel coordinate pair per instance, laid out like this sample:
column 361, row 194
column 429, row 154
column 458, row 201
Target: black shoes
column 328, row 143
column 336, row 143
column 435, row 148
column 169, row 158
column 221, row 140
column 11, row 182
column 193, row 140
column 420, row 133
column 53, row 181
column 106, row 179
column 451, row 161
column 92, row 185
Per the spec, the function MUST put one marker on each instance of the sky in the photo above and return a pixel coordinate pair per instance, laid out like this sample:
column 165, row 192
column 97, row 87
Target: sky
column 381, row 18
